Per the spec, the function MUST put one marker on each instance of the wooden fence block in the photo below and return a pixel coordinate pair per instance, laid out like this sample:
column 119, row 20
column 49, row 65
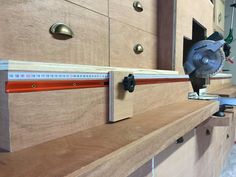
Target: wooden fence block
column 120, row 101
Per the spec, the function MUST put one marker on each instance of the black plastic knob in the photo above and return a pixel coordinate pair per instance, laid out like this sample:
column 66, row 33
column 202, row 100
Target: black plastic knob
column 129, row 83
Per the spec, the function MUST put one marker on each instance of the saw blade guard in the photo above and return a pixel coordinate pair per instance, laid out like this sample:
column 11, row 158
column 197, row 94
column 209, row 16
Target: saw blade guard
column 205, row 58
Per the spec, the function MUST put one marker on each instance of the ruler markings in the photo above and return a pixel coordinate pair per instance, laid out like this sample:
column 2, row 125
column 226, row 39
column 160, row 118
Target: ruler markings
column 19, row 81
column 14, row 75
column 55, row 76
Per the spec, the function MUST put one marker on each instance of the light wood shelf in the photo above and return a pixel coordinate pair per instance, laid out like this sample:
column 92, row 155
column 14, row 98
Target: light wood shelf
column 115, row 149
column 226, row 92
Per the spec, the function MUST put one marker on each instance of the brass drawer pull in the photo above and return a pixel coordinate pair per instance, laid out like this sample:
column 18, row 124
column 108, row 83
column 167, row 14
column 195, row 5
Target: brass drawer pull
column 138, row 49
column 61, row 29
column 138, row 6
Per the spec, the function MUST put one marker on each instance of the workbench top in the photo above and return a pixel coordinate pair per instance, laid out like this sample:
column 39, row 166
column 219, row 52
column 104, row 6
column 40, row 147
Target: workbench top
column 115, row 149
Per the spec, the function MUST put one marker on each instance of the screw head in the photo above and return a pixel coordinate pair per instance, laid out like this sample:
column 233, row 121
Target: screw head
column 208, row 132
column 33, row 86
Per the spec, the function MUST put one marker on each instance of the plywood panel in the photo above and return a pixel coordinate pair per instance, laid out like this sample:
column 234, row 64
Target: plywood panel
column 120, row 101
column 225, row 92
column 166, row 30
column 180, row 158
column 159, row 95
column 42, row 116
column 201, row 154
column 13, row 65
column 100, row 6
column 124, row 11
column 186, row 11
column 66, row 111
column 123, row 38
column 218, row 122
column 25, row 33
column 95, row 152
column 218, row 84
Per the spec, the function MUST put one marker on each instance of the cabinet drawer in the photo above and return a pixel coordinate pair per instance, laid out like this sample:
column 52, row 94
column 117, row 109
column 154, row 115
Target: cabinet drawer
column 180, row 158
column 100, row 6
column 123, row 38
column 126, row 13
column 220, row 14
column 25, row 33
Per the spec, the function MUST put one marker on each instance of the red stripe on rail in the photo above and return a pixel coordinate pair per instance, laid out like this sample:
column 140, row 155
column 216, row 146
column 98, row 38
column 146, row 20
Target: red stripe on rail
column 35, row 86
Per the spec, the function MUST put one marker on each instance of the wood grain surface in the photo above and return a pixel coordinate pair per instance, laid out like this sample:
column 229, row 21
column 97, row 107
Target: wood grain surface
column 177, row 157
column 148, row 97
column 219, row 84
column 124, row 11
column 66, row 111
column 123, row 38
column 95, row 152
column 42, row 116
column 120, row 101
column 202, row 12
column 200, row 154
column 25, row 33
column 225, row 92
column 100, row 6
column 166, row 37
column 13, row 65
column 174, row 158
column 218, row 121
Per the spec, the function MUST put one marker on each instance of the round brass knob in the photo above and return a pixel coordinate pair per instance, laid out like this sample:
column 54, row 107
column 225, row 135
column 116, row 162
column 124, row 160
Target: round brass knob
column 138, row 6
column 138, row 49
column 61, row 29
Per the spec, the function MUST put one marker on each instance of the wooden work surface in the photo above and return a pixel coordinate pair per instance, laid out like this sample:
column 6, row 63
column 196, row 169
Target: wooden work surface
column 109, row 150
column 227, row 92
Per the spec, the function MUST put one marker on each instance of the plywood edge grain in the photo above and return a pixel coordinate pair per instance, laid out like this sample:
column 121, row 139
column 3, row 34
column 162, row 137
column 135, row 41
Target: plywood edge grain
column 222, row 75
column 4, row 114
column 13, row 65
column 112, row 149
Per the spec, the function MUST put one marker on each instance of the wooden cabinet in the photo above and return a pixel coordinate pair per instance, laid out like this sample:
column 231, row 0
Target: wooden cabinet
column 202, row 154
column 25, row 33
column 152, row 23
column 123, row 41
column 133, row 25
column 100, row 38
column 143, row 17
